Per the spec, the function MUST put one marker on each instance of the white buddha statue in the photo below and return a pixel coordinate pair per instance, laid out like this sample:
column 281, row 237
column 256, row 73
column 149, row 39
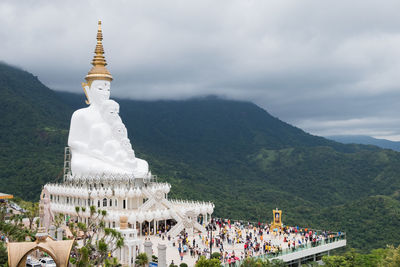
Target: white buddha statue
column 98, row 138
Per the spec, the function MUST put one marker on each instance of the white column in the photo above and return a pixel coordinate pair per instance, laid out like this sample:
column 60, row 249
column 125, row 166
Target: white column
column 124, row 254
column 162, row 255
column 52, row 231
column 148, row 248
column 130, row 255
column 134, row 254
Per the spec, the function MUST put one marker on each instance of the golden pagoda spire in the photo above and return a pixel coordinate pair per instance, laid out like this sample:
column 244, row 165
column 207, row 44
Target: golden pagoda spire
column 99, row 70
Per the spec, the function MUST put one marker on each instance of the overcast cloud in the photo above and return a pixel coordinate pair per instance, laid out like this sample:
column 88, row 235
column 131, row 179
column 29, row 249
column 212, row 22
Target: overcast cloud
column 328, row 67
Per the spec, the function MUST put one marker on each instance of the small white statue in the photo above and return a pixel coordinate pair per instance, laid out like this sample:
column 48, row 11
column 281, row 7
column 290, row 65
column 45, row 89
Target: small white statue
column 98, row 138
column 45, row 213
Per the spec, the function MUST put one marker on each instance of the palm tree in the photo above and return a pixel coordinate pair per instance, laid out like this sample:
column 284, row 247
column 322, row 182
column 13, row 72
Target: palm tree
column 113, row 262
column 142, row 260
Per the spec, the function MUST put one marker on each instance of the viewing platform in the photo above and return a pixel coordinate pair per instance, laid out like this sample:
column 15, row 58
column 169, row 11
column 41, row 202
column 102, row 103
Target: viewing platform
column 303, row 253
column 236, row 241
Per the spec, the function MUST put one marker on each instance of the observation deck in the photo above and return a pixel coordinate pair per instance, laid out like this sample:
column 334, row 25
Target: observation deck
column 311, row 251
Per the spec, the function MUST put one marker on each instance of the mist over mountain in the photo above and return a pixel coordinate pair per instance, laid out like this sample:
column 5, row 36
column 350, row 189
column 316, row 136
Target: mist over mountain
column 365, row 140
column 230, row 152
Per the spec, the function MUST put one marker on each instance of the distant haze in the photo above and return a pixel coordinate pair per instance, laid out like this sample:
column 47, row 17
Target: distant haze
column 328, row 67
column 366, row 140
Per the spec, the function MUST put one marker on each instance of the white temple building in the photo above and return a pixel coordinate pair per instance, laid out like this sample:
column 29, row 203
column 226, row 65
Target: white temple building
column 101, row 170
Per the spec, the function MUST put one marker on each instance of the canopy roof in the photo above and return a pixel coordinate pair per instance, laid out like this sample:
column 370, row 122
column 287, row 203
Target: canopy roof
column 6, row 196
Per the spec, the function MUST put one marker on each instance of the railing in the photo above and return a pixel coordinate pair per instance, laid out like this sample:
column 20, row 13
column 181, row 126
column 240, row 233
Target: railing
column 302, row 247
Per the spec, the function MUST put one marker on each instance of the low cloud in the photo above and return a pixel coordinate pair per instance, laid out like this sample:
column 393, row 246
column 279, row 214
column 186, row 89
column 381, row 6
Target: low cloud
column 325, row 66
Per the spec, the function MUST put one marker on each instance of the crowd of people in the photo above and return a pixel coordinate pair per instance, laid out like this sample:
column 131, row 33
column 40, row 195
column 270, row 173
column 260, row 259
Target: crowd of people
column 234, row 241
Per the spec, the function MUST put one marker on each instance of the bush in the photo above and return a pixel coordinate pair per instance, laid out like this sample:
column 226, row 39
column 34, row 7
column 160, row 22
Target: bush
column 3, row 254
column 183, row 265
column 203, row 262
column 216, row 255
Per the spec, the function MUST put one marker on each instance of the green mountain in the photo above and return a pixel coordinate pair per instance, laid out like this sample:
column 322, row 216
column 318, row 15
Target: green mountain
column 230, row 152
column 33, row 130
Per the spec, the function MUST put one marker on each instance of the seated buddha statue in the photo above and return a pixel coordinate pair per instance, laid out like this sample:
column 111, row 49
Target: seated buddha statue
column 98, row 138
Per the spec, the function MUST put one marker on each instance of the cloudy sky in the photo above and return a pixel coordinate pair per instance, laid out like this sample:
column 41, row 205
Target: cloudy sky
column 328, row 67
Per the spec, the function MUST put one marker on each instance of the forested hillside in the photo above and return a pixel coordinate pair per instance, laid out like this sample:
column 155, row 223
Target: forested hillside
column 33, row 130
column 230, row 152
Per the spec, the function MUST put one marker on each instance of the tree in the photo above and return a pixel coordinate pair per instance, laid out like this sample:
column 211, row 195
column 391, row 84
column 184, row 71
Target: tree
column 113, row 262
column 335, row 261
column 253, row 262
column 3, row 254
column 58, row 220
column 142, row 259
column 31, row 211
column 3, row 211
column 277, row 263
column 15, row 233
column 203, row 262
column 16, row 219
column 391, row 257
column 379, row 257
column 99, row 242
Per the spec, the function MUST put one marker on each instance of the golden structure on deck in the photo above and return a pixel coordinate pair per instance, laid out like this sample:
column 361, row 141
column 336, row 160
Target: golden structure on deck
column 277, row 220
column 58, row 250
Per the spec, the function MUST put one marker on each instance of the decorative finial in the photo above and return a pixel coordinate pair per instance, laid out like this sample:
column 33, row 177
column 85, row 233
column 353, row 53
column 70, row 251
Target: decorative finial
column 99, row 70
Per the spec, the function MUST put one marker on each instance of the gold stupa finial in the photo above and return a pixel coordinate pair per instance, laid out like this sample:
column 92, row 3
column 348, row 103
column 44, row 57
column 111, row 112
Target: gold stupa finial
column 99, row 70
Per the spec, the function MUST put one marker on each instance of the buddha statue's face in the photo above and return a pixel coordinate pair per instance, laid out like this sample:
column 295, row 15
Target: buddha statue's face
column 99, row 91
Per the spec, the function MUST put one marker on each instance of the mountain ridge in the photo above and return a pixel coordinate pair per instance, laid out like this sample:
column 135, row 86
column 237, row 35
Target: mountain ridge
column 366, row 140
column 230, row 152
